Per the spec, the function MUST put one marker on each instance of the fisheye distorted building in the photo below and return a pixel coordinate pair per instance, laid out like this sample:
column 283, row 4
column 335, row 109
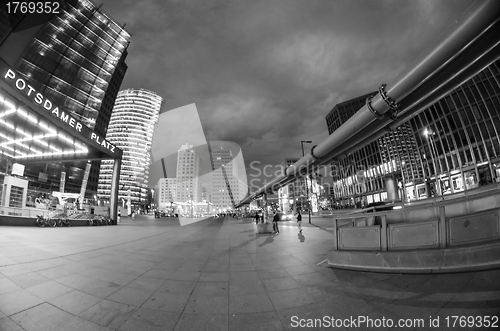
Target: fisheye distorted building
column 77, row 59
column 131, row 128
column 188, row 175
column 449, row 147
column 227, row 187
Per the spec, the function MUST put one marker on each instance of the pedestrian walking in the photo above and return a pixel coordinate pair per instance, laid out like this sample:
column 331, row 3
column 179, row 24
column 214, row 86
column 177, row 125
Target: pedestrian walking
column 133, row 215
column 299, row 221
column 276, row 218
column 119, row 216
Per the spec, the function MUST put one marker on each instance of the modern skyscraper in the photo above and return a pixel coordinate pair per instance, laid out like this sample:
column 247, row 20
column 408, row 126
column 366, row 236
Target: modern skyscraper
column 131, row 128
column 188, row 175
column 227, row 186
column 344, row 110
column 220, row 193
column 223, row 178
column 77, row 59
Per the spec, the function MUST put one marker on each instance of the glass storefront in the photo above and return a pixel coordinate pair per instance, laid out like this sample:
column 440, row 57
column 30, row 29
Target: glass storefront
column 457, row 183
column 445, row 185
column 470, row 179
column 421, row 191
column 457, row 140
column 410, row 193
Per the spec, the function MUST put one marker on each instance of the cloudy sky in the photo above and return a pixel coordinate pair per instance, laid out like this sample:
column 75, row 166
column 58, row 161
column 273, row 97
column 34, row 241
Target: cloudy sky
column 265, row 73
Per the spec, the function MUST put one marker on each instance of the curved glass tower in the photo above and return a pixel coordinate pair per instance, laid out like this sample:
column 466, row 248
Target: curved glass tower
column 131, row 128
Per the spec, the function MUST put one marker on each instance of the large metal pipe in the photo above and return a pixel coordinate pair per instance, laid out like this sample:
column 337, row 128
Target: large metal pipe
column 487, row 50
column 465, row 30
column 478, row 17
column 422, row 104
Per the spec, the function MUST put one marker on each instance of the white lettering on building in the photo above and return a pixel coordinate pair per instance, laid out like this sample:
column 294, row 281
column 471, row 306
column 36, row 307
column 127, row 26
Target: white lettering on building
column 103, row 143
column 39, row 99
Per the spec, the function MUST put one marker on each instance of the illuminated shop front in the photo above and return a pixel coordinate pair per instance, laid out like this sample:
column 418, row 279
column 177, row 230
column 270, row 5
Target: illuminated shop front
column 33, row 130
column 450, row 147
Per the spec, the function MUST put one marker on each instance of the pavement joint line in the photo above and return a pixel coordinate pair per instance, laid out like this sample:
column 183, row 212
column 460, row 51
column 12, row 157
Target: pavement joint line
column 322, row 262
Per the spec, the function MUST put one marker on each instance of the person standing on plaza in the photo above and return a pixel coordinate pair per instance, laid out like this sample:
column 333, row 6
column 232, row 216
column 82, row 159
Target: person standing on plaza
column 299, row 221
column 276, row 218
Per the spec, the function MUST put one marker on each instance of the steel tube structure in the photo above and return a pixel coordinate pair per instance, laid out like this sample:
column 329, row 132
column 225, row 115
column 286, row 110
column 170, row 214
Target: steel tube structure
column 461, row 34
column 415, row 103
column 460, row 52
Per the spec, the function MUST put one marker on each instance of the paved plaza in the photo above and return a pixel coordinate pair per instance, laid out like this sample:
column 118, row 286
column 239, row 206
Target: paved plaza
column 216, row 274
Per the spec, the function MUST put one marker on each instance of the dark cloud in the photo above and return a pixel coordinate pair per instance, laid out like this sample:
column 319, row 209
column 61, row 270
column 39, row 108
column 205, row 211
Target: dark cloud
column 265, row 73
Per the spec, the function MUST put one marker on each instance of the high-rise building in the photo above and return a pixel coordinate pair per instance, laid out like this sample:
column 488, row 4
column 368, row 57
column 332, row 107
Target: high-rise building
column 400, row 147
column 344, row 110
column 205, row 195
column 227, row 187
column 365, row 170
column 458, row 138
column 131, row 128
column 449, row 147
column 77, row 59
column 188, row 175
column 166, row 193
column 221, row 178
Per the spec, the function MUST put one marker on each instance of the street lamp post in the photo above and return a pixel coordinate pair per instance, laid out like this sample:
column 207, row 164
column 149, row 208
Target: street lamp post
column 429, row 135
column 307, row 188
column 403, row 198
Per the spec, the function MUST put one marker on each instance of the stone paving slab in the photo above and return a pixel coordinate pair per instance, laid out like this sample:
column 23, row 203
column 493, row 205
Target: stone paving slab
column 214, row 274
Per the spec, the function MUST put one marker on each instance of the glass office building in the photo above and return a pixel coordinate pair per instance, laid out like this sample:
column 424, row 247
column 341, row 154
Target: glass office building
column 451, row 146
column 131, row 129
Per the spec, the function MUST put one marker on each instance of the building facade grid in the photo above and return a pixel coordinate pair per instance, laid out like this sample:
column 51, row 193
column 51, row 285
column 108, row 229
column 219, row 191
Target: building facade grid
column 77, row 59
column 449, row 147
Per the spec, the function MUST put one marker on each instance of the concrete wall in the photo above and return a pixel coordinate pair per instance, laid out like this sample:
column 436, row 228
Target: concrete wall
column 429, row 229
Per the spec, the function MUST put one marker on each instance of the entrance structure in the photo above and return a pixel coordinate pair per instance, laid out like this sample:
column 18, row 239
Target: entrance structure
column 34, row 129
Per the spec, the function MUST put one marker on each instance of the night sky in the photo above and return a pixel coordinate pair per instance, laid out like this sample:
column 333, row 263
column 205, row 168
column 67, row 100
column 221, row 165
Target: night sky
column 265, row 73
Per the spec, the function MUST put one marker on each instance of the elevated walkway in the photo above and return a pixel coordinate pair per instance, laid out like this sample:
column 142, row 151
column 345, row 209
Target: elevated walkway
column 453, row 233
